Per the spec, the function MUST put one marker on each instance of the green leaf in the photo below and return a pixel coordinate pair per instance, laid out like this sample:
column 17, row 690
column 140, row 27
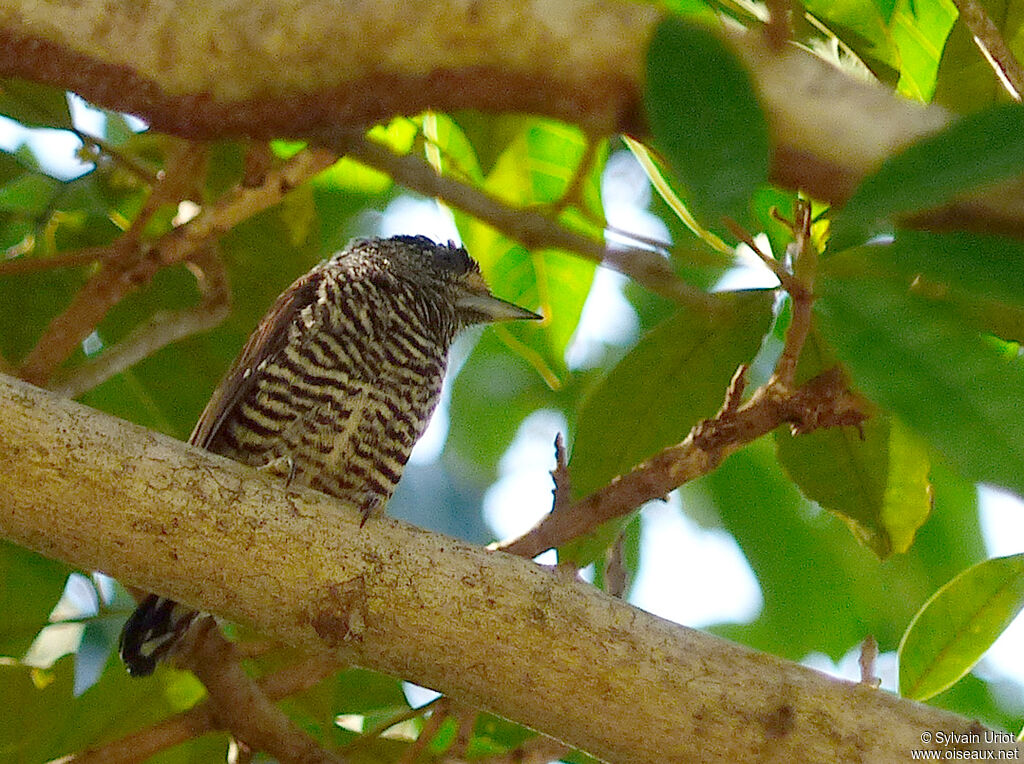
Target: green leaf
column 982, row 277
column 29, row 195
column 34, row 105
column 537, row 168
column 874, row 477
column 973, row 264
column 974, row 151
column 823, row 592
column 30, row 586
column 920, row 360
column 675, row 376
column 906, row 35
column 919, row 29
column 958, row 624
column 878, row 483
column 706, row 120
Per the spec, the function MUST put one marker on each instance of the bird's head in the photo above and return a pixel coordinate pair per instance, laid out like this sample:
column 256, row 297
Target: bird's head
column 444, row 274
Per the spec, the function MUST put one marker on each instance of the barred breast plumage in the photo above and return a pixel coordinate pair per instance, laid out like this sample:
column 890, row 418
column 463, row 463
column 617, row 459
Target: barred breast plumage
column 336, row 385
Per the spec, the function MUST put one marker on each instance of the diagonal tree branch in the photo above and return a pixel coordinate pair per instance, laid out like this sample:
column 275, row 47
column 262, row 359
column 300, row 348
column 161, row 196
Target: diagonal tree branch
column 492, row 630
column 993, row 46
column 202, row 718
column 531, row 228
column 823, row 401
column 129, row 264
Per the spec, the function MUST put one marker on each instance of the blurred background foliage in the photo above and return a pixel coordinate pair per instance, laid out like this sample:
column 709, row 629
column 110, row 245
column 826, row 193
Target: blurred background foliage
column 844, row 534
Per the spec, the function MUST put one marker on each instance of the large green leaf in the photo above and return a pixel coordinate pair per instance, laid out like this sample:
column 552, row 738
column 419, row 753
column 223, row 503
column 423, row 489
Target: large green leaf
column 878, row 483
column 972, row 264
column 675, row 376
column 705, row 118
column 823, row 592
column 920, row 360
column 874, row 477
column 981, row 277
column 958, row 624
column 537, row 168
column 974, row 151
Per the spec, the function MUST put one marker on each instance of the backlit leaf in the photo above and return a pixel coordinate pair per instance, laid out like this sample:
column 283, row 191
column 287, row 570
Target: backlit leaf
column 958, row 624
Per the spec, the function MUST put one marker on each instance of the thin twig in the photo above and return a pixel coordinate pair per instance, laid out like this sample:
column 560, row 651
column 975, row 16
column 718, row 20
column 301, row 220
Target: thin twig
column 99, row 147
column 867, row 661
column 801, row 292
column 572, row 193
column 79, row 257
column 616, row 575
column 993, row 46
column 129, row 266
column 160, row 330
column 784, row 276
column 466, row 718
column 430, row 728
column 533, row 229
column 562, row 491
column 436, row 706
column 200, row 719
column 779, row 28
column 242, row 707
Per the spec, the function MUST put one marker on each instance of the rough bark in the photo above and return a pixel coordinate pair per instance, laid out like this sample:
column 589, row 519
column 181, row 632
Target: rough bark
column 485, row 627
column 269, row 68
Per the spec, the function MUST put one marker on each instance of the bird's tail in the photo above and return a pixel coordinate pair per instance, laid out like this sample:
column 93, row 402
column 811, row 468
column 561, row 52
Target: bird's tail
column 151, row 632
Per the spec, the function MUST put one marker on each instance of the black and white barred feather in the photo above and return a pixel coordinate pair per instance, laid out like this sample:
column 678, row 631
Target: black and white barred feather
column 336, row 385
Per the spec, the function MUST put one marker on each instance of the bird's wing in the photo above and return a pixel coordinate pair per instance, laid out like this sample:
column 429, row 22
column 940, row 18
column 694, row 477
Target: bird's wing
column 270, row 336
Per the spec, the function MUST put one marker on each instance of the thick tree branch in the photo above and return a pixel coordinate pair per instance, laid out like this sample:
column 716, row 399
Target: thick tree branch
column 268, row 68
column 490, row 629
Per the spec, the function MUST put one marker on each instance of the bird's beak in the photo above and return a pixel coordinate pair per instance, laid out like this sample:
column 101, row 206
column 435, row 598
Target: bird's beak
column 476, row 300
column 488, row 308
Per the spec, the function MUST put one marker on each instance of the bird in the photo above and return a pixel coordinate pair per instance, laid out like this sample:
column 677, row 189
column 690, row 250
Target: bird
column 335, row 386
